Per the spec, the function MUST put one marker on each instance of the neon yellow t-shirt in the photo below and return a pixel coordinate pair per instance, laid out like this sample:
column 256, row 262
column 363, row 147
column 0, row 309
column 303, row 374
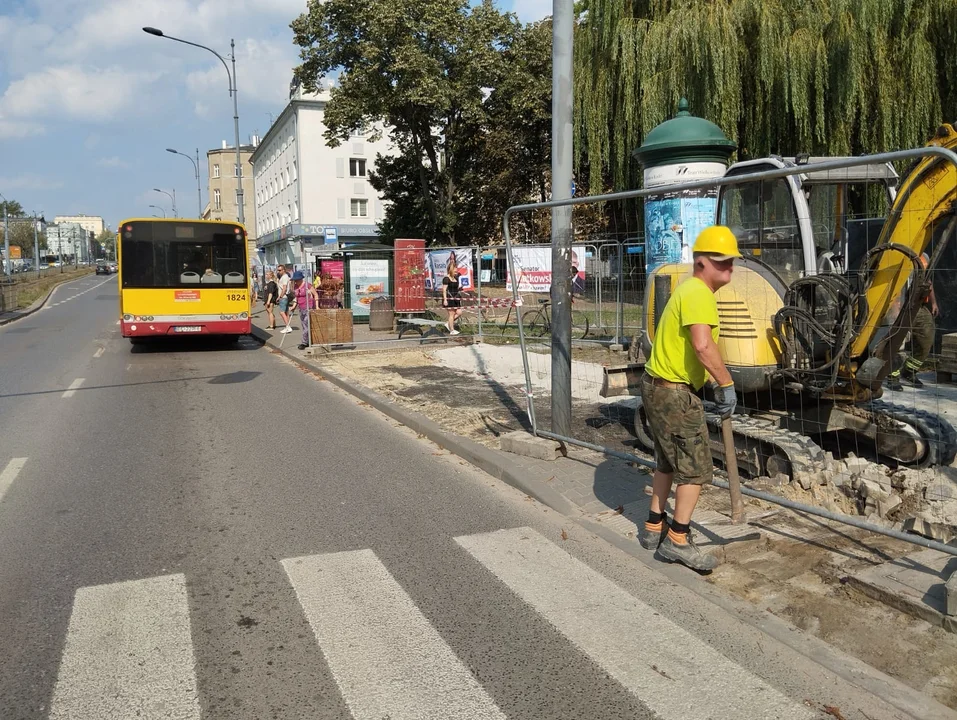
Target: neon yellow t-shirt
column 672, row 355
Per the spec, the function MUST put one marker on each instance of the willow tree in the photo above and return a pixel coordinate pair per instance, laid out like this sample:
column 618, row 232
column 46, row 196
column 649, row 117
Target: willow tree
column 828, row 77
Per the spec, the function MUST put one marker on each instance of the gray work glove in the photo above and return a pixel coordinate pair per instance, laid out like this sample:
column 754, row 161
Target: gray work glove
column 726, row 400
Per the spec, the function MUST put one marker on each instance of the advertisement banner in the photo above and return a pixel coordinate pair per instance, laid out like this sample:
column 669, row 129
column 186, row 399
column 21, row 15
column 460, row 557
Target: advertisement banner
column 369, row 280
column 410, row 274
column 333, row 268
column 438, row 261
column 533, row 265
column 673, row 222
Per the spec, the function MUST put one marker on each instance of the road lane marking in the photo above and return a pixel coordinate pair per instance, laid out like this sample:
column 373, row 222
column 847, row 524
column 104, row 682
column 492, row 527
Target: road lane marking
column 73, row 387
column 128, row 653
column 98, row 353
column 384, row 654
column 10, row 473
column 645, row 652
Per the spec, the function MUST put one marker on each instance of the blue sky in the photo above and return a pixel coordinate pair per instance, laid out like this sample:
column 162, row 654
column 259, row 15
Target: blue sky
column 89, row 102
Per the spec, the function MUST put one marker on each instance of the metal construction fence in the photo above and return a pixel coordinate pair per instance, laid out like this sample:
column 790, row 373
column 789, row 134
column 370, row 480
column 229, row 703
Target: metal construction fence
column 832, row 271
column 608, row 289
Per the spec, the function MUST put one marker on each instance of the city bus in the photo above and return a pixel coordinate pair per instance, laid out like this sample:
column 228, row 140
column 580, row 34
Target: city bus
column 182, row 277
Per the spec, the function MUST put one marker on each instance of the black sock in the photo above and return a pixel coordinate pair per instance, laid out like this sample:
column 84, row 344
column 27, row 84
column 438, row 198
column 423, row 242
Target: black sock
column 655, row 518
column 680, row 528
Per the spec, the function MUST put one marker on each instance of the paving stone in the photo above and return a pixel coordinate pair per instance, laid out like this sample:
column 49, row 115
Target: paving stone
column 915, row 583
column 951, row 590
column 522, row 443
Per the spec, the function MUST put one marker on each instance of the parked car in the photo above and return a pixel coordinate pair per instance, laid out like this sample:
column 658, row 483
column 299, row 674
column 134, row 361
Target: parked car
column 112, row 267
column 102, row 267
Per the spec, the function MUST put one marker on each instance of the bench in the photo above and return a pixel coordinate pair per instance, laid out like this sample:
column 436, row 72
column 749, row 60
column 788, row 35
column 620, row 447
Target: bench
column 419, row 325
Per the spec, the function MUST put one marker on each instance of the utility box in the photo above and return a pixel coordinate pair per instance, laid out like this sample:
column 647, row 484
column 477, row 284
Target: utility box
column 330, row 327
column 381, row 315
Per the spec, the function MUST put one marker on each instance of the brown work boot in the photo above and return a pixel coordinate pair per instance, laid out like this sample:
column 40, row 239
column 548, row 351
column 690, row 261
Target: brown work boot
column 680, row 547
column 650, row 536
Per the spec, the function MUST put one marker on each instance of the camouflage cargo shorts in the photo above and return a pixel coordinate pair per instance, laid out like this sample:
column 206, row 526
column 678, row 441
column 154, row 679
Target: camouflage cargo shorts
column 676, row 418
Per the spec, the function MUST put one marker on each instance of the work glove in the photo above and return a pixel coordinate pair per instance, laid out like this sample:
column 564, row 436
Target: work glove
column 725, row 399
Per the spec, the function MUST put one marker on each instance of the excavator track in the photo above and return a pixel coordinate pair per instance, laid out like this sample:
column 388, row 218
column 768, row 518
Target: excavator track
column 762, row 447
column 770, row 449
column 940, row 435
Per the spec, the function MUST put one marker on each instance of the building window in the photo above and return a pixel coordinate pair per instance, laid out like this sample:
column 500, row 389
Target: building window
column 237, row 198
column 360, row 208
column 235, row 170
column 217, row 200
column 215, row 171
column 357, row 167
column 295, row 174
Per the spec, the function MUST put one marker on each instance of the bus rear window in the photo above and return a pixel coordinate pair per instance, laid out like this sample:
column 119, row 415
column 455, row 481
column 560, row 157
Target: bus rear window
column 173, row 255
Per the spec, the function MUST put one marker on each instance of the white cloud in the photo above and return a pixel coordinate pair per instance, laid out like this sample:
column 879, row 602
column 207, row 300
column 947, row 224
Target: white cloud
column 74, row 92
column 16, row 129
column 30, row 181
column 264, row 70
column 113, row 162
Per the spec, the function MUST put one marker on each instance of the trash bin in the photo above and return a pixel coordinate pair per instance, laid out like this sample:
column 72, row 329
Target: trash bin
column 381, row 315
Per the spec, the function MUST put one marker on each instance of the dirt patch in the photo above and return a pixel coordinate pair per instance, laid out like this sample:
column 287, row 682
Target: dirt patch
column 797, row 570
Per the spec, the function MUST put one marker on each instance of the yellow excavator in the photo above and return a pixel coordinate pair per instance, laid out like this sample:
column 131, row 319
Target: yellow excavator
column 817, row 310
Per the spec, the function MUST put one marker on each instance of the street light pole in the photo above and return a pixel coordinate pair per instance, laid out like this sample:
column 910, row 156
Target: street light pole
column 171, row 197
column 36, row 245
column 240, row 213
column 159, row 208
column 199, row 192
column 6, row 238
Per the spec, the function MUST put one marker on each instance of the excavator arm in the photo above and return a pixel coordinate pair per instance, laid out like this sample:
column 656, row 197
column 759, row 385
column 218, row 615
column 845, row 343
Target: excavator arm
column 924, row 211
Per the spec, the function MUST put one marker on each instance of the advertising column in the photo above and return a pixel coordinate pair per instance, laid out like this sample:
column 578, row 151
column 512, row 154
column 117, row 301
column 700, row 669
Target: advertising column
column 683, row 149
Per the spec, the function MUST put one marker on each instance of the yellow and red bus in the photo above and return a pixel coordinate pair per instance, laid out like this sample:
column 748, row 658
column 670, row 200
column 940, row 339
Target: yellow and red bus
column 182, row 277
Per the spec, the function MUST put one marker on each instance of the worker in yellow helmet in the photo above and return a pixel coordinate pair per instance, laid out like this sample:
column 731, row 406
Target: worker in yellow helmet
column 685, row 350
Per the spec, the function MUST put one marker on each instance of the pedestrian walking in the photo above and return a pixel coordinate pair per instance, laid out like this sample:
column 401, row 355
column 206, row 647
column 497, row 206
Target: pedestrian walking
column 270, row 295
column 450, row 294
column 921, row 337
column 285, row 296
column 304, row 299
column 684, row 350
column 255, row 287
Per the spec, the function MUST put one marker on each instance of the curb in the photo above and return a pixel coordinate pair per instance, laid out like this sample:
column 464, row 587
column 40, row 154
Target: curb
column 912, row 702
column 36, row 305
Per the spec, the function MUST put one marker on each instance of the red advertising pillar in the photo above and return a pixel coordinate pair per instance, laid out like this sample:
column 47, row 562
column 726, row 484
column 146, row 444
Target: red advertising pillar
column 409, row 273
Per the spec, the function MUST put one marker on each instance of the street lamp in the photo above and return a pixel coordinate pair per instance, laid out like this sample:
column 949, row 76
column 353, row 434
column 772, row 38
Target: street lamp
column 6, row 238
column 157, row 207
column 171, row 197
column 241, row 216
column 199, row 192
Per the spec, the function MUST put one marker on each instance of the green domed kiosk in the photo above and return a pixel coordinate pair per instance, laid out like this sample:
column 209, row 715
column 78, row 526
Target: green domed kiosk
column 680, row 150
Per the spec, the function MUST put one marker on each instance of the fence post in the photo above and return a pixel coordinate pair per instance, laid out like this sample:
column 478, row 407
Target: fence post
column 619, row 305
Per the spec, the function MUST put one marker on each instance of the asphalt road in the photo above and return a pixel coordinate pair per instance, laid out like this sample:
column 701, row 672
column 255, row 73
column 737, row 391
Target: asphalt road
column 204, row 531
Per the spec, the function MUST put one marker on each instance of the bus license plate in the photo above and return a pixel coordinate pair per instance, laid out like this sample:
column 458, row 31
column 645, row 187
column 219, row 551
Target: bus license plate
column 188, row 328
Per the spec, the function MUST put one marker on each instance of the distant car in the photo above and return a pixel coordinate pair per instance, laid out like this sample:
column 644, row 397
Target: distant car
column 102, row 268
column 112, row 267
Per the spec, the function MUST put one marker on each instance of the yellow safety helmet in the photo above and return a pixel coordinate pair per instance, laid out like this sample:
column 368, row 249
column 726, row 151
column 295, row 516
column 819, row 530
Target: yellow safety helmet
column 718, row 241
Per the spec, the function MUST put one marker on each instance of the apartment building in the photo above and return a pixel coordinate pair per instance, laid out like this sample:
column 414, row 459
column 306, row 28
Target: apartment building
column 222, row 190
column 309, row 194
column 90, row 223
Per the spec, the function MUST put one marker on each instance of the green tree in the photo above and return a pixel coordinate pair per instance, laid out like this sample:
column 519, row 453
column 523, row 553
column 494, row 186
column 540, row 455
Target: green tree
column 21, row 235
column 12, row 208
column 829, row 77
column 106, row 244
column 447, row 78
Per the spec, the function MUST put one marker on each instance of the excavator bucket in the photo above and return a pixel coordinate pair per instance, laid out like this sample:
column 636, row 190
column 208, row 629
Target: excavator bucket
column 622, row 380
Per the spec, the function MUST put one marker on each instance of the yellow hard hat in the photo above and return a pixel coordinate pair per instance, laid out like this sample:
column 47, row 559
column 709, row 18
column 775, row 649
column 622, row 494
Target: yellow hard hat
column 718, row 241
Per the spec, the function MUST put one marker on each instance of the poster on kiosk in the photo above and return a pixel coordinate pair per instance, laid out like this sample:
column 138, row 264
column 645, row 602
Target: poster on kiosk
column 438, row 262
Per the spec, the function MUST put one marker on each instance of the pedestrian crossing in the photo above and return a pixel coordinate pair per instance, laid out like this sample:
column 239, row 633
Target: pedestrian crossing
column 128, row 651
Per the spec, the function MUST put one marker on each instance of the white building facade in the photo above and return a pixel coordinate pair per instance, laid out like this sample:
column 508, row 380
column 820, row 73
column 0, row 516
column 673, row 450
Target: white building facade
column 310, row 195
column 90, row 223
column 68, row 241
